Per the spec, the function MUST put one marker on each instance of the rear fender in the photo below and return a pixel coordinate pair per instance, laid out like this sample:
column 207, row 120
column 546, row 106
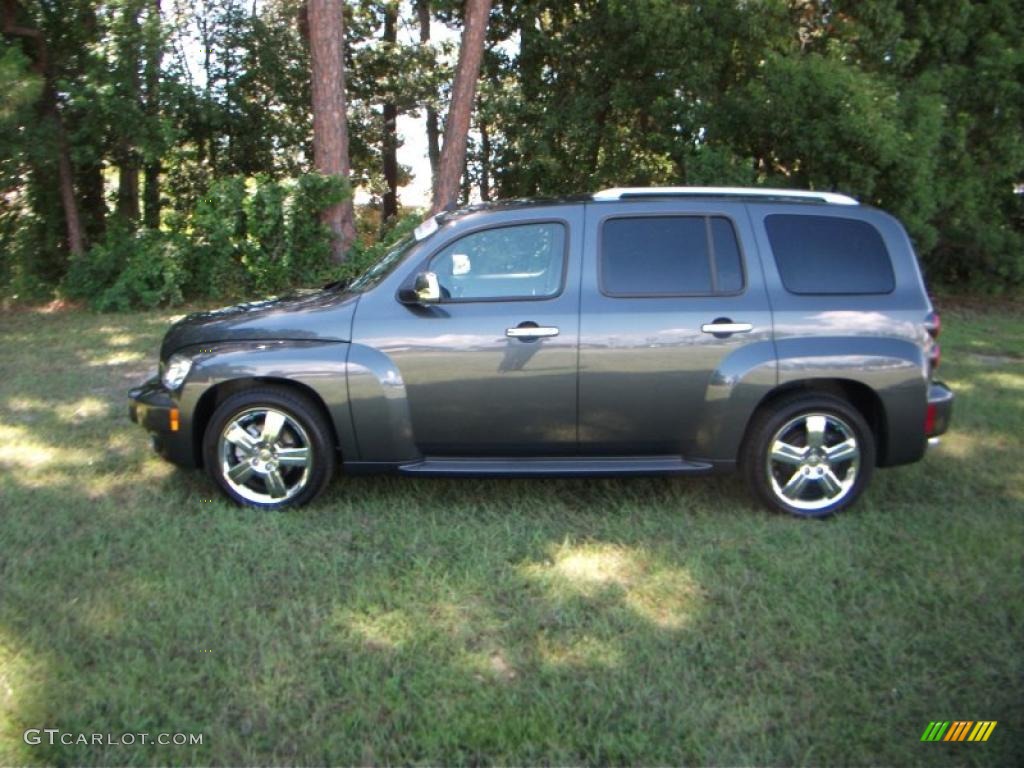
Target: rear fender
column 895, row 369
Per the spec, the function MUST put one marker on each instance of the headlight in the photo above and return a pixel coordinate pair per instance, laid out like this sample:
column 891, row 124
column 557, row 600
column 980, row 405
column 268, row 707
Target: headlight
column 176, row 370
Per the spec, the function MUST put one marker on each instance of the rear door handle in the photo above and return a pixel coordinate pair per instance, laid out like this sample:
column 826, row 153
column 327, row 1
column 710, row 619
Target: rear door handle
column 721, row 326
column 531, row 331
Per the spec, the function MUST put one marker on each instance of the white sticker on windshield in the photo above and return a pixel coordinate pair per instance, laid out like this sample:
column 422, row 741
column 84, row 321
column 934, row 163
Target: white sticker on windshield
column 461, row 264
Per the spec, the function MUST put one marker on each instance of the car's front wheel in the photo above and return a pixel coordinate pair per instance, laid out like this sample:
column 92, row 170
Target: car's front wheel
column 269, row 447
column 810, row 455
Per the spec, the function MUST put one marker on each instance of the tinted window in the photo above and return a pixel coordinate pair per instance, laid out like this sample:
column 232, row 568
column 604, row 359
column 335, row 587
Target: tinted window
column 827, row 254
column 727, row 256
column 669, row 255
column 522, row 261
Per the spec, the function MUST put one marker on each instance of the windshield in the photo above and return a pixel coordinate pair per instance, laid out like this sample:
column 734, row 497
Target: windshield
column 383, row 267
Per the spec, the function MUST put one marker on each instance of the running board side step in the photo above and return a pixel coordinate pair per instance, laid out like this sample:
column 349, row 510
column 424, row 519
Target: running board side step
column 569, row 466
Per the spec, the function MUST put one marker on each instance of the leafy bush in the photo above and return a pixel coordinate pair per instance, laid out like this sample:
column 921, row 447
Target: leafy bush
column 244, row 236
column 309, row 240
column 152, row 276
column 20, row 272
column 266, row 256
column 259, row 235
column 128, row 270
column 363, row 256
column 216, row 238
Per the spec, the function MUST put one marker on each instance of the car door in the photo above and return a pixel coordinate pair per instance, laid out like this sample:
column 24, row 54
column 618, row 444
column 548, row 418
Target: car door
column 491, row 369
column 669, row 295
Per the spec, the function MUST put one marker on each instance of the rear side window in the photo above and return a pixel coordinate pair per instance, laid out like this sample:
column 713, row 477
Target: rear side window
column 670, row 256
column 829, row 255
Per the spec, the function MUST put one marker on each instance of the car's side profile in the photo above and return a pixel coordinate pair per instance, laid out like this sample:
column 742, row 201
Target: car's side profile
column 635, row 331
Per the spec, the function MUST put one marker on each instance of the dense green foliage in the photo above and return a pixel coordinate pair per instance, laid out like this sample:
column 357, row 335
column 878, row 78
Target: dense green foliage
column 917, row 107
column 187, row 125
column 240, row 238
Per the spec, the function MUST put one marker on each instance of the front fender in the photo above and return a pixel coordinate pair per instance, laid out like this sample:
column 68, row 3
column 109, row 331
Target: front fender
column 319, row 366
column 381, row 417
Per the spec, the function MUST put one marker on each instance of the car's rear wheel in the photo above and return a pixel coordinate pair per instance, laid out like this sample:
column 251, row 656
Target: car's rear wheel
column 809, row 455
column 269, row 448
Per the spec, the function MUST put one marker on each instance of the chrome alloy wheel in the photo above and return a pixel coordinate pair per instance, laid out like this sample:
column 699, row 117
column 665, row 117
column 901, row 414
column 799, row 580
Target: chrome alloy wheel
column 813, row 461
column 265, row 455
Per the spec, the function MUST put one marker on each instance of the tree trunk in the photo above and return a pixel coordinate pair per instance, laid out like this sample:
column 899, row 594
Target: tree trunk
column 151, row 171
column 456, row 130
column 89, row 182
column 151, row 202
column 76, row 240
column 330, row 121
column 433, row 131
column 89, row 172
column 389, row 207
column 128, row 162
column 128, row 186
column 49, row 109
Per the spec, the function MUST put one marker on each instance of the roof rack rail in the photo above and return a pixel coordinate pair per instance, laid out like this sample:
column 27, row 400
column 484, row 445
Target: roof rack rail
column 618, row 193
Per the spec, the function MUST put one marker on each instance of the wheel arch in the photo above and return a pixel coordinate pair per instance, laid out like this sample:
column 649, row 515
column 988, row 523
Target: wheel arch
column 858, row 394
column 221, row 391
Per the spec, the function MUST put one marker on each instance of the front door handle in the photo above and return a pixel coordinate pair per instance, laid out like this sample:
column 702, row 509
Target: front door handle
column 723, row 326
column 531, row 331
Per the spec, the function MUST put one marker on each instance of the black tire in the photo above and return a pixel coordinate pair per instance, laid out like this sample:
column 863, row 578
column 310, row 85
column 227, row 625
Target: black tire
column 815, row 473
column 301, row 424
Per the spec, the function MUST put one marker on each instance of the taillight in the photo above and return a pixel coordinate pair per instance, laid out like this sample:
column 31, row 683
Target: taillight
column 929, row 419
column 933, row 324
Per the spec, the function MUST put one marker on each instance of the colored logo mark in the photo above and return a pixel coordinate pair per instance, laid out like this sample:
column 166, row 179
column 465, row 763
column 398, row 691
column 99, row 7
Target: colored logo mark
column 958, row 730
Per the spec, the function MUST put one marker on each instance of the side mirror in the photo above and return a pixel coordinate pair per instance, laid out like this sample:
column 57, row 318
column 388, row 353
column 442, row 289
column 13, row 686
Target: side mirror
column 425, row 290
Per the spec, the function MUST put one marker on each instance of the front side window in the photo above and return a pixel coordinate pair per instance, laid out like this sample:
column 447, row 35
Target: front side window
column 670, row 256
column 524, row 261
column 829, row 255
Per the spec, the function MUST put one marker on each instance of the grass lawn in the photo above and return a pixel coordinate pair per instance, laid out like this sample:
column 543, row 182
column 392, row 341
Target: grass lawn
column 655, row 621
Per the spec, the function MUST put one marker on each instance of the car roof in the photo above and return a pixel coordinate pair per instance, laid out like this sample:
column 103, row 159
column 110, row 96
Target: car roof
column 741, row 193
column 625, row 194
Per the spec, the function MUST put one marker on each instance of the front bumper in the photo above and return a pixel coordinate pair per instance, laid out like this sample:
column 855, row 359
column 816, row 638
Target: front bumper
column 152, row 407
column 940, row 409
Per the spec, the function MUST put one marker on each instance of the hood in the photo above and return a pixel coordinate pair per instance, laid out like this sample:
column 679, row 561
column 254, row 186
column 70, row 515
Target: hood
column 323, row 315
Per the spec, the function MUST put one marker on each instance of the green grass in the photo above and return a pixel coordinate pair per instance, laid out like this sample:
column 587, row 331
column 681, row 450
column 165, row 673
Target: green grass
column 655, row 621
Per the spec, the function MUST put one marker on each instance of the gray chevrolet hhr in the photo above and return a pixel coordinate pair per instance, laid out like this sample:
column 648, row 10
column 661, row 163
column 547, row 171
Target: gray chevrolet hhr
column 685, row 330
